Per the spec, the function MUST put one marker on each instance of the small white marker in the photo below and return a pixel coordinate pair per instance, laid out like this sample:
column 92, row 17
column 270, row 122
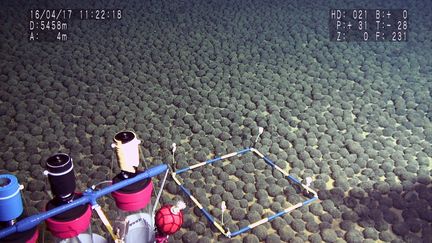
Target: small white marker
column 180, row 205
column 174, row 148
column 308, row 181
column 260, row 131
column 223, row 208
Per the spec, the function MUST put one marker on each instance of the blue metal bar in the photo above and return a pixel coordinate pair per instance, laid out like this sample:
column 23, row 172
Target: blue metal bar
column 203, row 163
column 244, row 151
column 276, row 215
column 239, row 231
column 294, row 179
column 210, row 161
column 309, row 201
column 269, row 161
column 203, row 210
column 89, row 196
column 186, row 190
column 207, row 214
column 182, row 170
column 265, row 220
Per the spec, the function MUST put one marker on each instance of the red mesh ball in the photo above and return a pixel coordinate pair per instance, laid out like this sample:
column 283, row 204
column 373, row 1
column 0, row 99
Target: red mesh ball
column 167, row 222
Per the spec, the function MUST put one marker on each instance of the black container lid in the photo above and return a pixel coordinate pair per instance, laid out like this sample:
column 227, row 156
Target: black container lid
column 61, row 175
column 124, row 137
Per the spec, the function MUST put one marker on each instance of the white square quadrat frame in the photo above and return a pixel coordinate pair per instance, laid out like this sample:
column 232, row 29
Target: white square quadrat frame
column 226, row 232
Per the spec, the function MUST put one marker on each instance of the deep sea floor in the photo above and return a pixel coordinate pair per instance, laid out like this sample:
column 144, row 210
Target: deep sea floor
column 356, row 117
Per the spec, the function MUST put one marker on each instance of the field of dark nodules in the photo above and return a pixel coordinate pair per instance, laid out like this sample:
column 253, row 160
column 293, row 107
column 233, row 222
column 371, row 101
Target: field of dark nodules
column 356, row 117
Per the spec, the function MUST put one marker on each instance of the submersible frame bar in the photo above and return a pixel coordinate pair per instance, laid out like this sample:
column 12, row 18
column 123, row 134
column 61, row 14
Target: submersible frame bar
column 89, row 196
column 220, row 227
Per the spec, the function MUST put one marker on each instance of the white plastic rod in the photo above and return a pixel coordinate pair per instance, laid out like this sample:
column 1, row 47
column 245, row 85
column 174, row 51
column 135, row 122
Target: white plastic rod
column 105, row 221
column 159, row 193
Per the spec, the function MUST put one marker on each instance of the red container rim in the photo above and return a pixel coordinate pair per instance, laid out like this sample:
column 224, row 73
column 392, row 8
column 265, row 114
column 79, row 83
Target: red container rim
column 133, row 201
column 70, row 229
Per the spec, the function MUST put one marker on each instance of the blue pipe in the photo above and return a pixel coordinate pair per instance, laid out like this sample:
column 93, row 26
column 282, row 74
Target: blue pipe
column 89, row 196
